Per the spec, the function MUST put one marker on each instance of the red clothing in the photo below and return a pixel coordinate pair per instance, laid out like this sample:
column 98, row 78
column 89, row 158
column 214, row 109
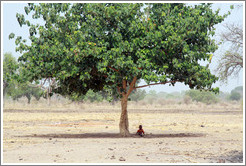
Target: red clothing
column 140, row 131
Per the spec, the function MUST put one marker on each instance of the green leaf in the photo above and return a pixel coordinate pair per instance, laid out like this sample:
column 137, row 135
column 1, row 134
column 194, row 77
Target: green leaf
column 83, row 42
column 11, row 36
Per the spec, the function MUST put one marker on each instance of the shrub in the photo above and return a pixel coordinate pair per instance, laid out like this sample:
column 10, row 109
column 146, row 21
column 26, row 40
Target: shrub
column 187, row 99
column 138, row 95
column 202, row 96
column 235, row 96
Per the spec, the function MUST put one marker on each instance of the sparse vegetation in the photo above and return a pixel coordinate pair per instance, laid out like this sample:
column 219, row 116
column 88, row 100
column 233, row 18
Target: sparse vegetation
column 202, row 96
column 187, row 99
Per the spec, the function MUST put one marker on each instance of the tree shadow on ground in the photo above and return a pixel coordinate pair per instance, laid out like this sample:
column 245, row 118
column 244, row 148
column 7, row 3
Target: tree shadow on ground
column 234, row 156
column 114, row 135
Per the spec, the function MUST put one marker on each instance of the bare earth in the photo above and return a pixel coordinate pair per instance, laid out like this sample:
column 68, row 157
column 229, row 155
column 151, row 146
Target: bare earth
column 89, row 134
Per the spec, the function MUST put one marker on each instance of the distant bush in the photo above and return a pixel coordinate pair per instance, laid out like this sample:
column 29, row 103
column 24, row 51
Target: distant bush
column 164, row 102
column 239, row 88
column 151, row 97
column 76, row 97
column 187, row 99
column 138, row 95
column 235, row 96
column 202, row 96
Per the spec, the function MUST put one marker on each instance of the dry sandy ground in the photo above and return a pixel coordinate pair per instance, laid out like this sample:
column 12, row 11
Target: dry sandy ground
column 175, row 134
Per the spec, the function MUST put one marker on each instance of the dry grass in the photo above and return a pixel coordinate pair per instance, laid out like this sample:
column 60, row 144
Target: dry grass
column 65, row 104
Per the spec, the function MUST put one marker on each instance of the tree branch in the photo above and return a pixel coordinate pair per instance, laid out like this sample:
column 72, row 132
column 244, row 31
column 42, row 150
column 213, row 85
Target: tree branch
column 42, row 84
column 113, row 69
column 132, row 86
column 118, row 88
column 156, row 84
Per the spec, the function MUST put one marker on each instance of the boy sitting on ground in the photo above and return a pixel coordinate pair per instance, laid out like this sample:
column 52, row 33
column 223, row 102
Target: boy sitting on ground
column 140, row 131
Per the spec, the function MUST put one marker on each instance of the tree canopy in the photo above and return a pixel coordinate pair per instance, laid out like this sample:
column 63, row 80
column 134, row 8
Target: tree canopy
column 109, row 46
column 12, row 74
column 10, row 66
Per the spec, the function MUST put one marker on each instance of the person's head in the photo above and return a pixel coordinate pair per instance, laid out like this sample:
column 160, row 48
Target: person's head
column 140, row 126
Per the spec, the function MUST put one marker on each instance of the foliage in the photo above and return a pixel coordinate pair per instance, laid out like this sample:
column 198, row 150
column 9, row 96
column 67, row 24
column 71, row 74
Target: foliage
column 238, row 89
column 93, row 96
column 26, row 90
column 152, row 93
column 224, row 95
column 174, row 95
column 236, row 93
column 162, row 94
column 235, row 96
column 12, row 73
column 10, row 67
column 202, row 96
column 76, row 97
column 93, row 46
column 109, row 46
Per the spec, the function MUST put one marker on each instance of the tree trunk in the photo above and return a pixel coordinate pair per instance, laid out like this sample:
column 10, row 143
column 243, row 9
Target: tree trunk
column 5, row 85
column 124, row 125
column 29, row 100
column 28, row 96
column 48, row 96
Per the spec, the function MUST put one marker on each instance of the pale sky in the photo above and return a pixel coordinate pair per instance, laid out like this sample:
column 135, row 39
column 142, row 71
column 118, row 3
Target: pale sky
column 10, row 24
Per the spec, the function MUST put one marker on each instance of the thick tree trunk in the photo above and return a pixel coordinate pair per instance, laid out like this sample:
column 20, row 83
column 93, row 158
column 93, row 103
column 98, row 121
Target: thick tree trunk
column 124, row 125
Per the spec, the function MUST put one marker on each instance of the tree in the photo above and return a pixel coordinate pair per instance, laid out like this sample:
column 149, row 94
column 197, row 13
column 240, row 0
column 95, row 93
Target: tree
column 137, row 95
column 231, row 62
column 236, row 93
column 12, row 86
column 10, row 66
column 235, row 96
column 51, row 83
column 26, row 90
column 202, row 96
column 239, row 89
column 109, row 46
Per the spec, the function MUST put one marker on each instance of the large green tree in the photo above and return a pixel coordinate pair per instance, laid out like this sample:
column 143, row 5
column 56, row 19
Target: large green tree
column 25, row 90
column 14, row 84
column 10, row 66
column 109, row 46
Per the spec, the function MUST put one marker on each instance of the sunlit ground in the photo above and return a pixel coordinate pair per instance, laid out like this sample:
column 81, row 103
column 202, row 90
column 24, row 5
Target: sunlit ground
column 66, row 132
